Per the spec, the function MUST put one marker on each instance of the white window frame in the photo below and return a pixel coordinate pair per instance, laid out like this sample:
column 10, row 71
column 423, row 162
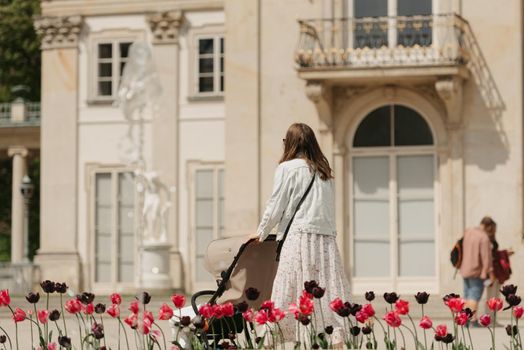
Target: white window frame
column 113, row 37
column 113, row 285
column 403, row 284
column 193, row 167
column 215, row 32
column 392, row 13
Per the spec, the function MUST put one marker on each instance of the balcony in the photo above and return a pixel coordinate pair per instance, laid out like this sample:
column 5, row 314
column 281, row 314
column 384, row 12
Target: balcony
column 383, row 48
column 19, row 113
column 20, row 124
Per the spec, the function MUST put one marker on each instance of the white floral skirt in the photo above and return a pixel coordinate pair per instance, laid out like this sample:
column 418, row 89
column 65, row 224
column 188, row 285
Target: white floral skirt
column 306, row 257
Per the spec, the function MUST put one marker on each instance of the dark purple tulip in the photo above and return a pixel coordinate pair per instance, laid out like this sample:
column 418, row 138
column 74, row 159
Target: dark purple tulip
column 98, row 330
column 450, row 296
column 448, row 339
column 370, row 296
column 86, row 298
column 242, row 307
column 48, row 286
column 252, row 293
column 512, row 331
column 32, row 297
column 329, row 330
column 185, row 321
column 3, row 338
column 144, row 298
column 100, row 308
column 422, row 298
column 366, row 330
column 513, row 300
column 60, row 287
column 318, row 292
column 391, row 298
column 508, row 289
column 355, row 330
column 304, row 320
column 54, row 315
column 64, row 341
column 310, row 285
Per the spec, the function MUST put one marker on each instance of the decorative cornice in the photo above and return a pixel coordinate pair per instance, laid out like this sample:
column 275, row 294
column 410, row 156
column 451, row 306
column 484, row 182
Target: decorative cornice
column 165, row 26
column 450, row 92
column 322, row 97
column 59, row 32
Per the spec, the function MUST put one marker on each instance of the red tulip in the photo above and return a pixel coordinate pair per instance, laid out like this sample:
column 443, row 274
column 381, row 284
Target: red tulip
column 89, row 309
column 116, row 299
column 495, row 304
column 262, row 317
column 165, row 312
column 277, row 315
column 206, row 311
column 441, row 330
column 268, row 304
column 179, row 300
column 51, row 346
column 518, row 311
column 426, row 323
column 293, row 309
column 368, row 309
column 455, row 305
column 149, row 316
column 73, row 306
column 43, row 316
column 5, row 299
column 306, row 294
column 249, row 315
column 402, row 307
column 113, row 310
column 485, row 320
column 134, row 307
column 361, row 316
column 146, row 326
column 461, row 318
column 392, row 319
column 19, row 315
column 227, row 309
column 218, row 312
column 131, row 320
column 306, row 305
column 336, row 304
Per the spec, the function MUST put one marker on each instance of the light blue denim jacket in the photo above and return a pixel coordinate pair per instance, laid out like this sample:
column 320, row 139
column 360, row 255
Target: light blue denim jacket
column 317, row 212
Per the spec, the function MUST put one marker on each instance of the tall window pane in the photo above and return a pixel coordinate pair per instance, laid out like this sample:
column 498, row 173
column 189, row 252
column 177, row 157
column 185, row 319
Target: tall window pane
column 126, row 227
column 103, row 227
column 210, row 65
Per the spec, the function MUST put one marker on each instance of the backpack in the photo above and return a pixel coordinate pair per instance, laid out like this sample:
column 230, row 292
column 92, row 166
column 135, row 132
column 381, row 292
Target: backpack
column 501, row 266
column 456, row 254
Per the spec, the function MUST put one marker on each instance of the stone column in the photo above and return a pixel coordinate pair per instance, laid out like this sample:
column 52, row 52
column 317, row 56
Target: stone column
column 19, row 155
column 243, row 121
column 165, row 28
column 58, row 254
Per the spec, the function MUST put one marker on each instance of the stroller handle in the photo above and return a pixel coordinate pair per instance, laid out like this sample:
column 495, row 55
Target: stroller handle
column 198, row 295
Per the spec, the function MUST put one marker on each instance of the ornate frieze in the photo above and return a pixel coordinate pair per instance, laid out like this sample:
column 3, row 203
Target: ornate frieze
column 165, row 26
column 59, row 32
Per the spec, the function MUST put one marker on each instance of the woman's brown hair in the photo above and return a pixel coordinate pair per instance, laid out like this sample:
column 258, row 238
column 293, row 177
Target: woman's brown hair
column 300, row 142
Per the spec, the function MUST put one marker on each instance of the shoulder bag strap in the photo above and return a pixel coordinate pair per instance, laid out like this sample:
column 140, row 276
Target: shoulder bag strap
column 281, row 243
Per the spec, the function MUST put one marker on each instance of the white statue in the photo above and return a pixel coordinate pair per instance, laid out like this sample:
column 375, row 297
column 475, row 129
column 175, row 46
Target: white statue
column 140, row 87
column 155, row 206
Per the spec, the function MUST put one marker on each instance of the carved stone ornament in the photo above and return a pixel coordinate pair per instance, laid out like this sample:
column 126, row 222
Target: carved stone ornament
column 450, row 91
column 165, row 26
column 59, row 32
column 321, row 96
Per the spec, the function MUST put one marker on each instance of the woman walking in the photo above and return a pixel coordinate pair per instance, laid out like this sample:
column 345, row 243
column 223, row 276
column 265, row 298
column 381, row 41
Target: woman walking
column 304, row 179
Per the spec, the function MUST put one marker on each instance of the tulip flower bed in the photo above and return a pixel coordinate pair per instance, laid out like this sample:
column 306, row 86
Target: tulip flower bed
column 228, row 326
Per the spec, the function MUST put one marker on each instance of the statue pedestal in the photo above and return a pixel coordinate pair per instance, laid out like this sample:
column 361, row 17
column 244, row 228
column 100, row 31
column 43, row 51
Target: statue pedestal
column 155, row 266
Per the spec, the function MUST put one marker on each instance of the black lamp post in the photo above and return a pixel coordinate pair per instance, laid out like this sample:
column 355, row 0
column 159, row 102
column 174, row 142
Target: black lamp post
column 27, row 189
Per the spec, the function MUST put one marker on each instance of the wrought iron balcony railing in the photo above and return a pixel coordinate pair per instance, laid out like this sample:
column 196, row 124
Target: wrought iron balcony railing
column 19, row 113
column 382, row 41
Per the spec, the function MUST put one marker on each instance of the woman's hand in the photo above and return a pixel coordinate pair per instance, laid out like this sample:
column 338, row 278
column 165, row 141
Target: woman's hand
column 255, row 237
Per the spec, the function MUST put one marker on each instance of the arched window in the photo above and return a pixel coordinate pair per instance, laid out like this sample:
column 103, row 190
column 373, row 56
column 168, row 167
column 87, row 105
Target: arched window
column 393, row 125
column 392, row 200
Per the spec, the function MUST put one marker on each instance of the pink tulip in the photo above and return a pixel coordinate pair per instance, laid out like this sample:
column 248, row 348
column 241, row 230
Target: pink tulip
column 19, row 315
column 249, row 315
column 461, row 318
column 369, row 310
column 89, row 309
column 165, row 312
column 426, row 323
column 134, row 307
column 43, row 316
column 361, row 316
column 116, row 299
column 73, row 306
column 518, row 311
column 485, row 320
column 441, row 330
column 336, row 304
column 206, row 311
column 113, row 310
column 5, row 299
column 402, row 307
column 455, row 304
column 495, row 304
column 262, row 317
column 392, row 319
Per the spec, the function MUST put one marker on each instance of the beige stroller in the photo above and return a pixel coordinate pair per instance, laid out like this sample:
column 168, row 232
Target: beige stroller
column 237, row 263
